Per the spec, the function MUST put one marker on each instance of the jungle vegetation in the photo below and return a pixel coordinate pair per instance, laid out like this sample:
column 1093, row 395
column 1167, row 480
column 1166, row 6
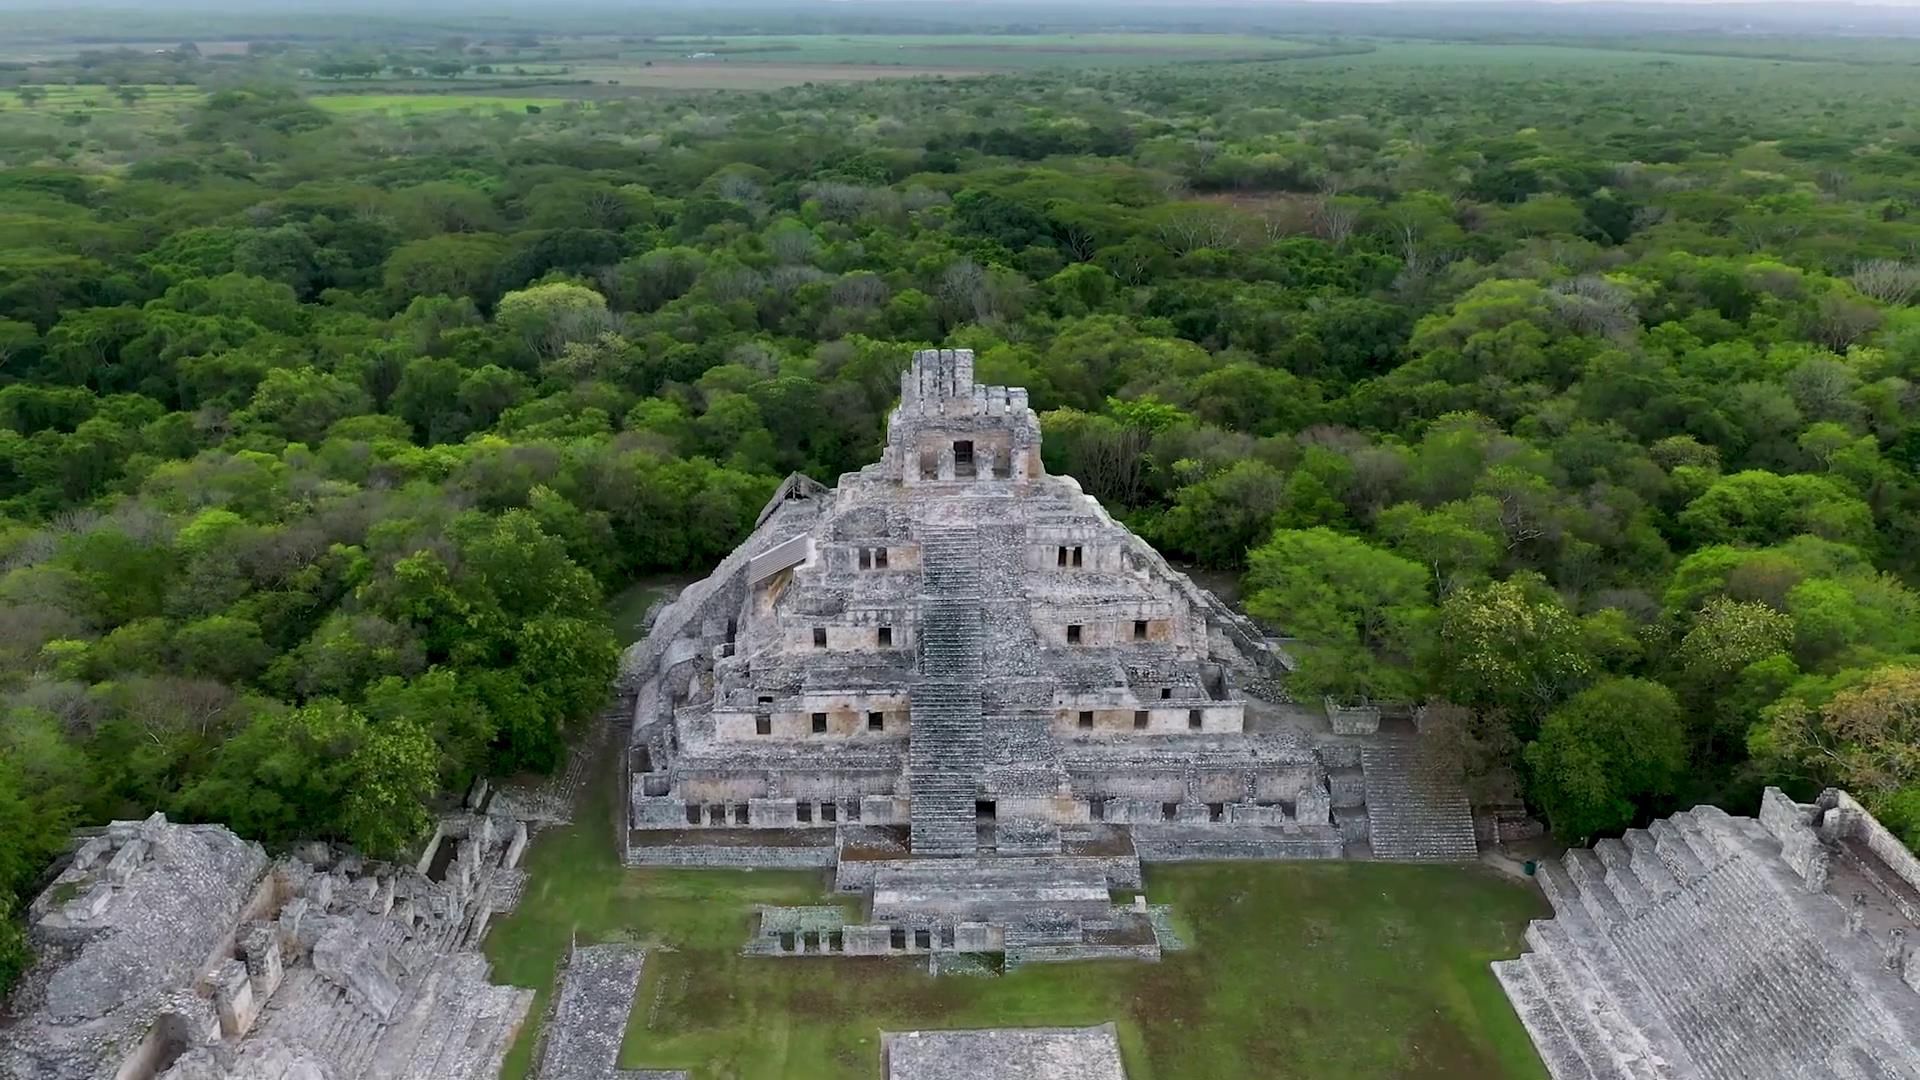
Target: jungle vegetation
column 1571, row 391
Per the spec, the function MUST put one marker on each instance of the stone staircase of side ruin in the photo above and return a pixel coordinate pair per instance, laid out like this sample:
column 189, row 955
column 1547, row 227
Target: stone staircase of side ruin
column 1647, row 925
column 1416, row 808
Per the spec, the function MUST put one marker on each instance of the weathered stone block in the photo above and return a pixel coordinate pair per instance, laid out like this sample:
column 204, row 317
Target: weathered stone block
column 772, row 813
column 868, row 940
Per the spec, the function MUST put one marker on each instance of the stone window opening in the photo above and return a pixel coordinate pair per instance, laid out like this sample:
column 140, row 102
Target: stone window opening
column 1166, row 692
column 1170, row 810
column 984, row 809
column 1216, row 811
column 787, row 942
column 693, row 813
column 923, row 939
column 876, row 721
column 963, row 457
column 1139, row 629
column 766, row 699
column 897, row 938
column 853, row 809
column 1096, row 810
column 835, row 942
column 819, row 637
column 885, row 637
column 1073, row 633
column 740, row 814
column 763, row 725
column 829, row 811
column 866, row 558
column 803, row 811
column 717, row 814
column 1079, row 556
column 1061, row 555
column 1193, row 720
column 819, row 723
column 1139, row 719
column 1086, row 720
column 733, row 630
column 879, row 558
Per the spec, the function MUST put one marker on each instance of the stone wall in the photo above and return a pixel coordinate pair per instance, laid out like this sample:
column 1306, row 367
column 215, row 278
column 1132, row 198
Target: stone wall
column 742, row 856
column 1868, row 830
column 856, row 875
column 1175, row 843
column 1800, row 847
column 1353, row 719
column 1064, row 954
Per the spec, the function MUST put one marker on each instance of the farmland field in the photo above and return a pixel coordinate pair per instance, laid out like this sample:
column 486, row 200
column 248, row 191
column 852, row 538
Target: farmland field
column 993, row 51
column 65, row 99
column 410, row 104
column 738, row 73
column 602, row 69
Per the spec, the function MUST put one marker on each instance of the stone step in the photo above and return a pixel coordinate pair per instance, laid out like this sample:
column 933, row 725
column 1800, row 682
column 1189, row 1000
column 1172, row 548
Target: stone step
column 1537, row 1015
column 1580, row 1029
column 1672, row 847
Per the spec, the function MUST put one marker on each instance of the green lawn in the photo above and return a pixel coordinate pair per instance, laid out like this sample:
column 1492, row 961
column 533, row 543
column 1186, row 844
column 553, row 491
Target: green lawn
column 1323, row 970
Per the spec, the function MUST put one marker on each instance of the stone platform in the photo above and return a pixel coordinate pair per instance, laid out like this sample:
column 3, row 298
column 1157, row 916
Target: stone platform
column 588, row 1021
column 1004, row 1054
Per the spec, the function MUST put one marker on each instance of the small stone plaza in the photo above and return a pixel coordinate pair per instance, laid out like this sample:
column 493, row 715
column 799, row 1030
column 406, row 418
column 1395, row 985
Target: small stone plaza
column 981, row 711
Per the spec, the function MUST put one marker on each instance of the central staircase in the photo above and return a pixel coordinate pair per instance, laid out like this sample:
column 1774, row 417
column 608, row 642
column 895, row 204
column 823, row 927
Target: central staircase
column 946, row 743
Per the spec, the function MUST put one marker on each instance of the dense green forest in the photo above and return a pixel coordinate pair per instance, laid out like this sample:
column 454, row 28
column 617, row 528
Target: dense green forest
column 1571, row 391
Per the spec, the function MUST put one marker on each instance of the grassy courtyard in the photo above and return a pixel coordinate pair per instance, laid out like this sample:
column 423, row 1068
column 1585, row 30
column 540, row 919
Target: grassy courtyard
column 1336, row 970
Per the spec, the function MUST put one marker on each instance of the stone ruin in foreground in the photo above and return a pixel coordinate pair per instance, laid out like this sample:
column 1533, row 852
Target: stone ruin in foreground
column 1713, row 947
column 958, row 683
column 181, row 952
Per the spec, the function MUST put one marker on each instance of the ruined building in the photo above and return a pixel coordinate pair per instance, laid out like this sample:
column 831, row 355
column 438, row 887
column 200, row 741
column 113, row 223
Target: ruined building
column 1714, row 947
column 954, row 655
column 181, row 952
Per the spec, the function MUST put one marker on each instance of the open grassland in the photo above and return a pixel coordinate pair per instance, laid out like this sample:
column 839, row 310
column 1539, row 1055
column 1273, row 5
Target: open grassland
column 1332, row 971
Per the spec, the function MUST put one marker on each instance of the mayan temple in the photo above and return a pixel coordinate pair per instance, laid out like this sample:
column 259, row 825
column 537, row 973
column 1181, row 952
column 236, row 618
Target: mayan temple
column 958, row 681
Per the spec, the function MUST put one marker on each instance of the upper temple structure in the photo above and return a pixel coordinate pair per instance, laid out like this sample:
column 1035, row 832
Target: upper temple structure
column 954, row 654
